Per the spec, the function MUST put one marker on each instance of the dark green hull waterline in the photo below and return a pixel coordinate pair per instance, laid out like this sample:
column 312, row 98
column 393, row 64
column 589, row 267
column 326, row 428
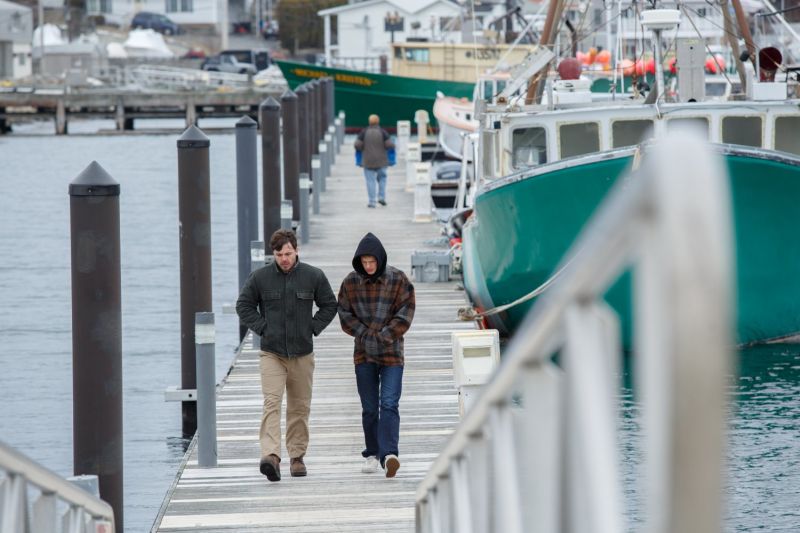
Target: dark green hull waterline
column 360, row 94
column 543, row 214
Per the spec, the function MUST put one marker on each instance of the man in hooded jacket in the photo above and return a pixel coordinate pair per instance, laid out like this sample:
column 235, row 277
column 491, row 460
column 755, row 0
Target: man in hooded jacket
column 376, row 307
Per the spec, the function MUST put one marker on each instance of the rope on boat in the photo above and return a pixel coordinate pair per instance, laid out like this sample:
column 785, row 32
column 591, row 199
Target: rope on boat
column 469, row 313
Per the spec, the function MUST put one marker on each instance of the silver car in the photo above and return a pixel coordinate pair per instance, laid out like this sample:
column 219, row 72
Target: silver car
column 228, row 63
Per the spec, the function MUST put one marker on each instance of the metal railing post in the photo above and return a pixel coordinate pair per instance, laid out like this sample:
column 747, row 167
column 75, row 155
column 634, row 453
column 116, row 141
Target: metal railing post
column 316, row 182
column 304, row 222
column 286, row 214
column 342, row 126
column 324, row 164
column 206, row 391
column 97, row 332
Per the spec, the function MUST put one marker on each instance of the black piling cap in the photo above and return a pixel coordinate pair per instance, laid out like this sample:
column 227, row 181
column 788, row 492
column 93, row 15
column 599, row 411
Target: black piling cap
column 301, row 89
column 246, row 122
column 94, row 181
column 270, row 103
column 288, row 95
column 193, row 137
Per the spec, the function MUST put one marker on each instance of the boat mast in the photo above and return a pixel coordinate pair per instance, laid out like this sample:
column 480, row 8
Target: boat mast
column 744, row 30
column 733, row 42
column 554, row 10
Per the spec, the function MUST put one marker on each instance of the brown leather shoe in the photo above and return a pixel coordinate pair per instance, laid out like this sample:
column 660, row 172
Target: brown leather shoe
column 271, row 467
column 298, row 467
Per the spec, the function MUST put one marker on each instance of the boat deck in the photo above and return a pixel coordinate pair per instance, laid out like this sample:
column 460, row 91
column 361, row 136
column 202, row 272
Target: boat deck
column 335, row 496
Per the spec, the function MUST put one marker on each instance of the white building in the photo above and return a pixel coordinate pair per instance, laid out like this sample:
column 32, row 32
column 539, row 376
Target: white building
column 188, row 12
column 366, row 29
column 16, row 29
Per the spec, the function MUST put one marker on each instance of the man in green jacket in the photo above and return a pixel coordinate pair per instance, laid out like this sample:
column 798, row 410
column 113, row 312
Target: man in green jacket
column 276, row 302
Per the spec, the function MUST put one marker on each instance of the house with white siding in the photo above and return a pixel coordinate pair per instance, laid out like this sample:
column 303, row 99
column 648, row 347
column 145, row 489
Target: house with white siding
column 185, row 12
column 367, row 29
column 16, row 29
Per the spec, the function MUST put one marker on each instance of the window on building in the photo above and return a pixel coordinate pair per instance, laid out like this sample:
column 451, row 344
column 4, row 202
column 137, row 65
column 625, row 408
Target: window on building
column 180, row 6
column 786, row 137
column 742, row 130
column 419, row 55
column 398, row 52
column 98, row 6
column 630, row 132
column 529, row 147
column 579, row 139
column 699, row 124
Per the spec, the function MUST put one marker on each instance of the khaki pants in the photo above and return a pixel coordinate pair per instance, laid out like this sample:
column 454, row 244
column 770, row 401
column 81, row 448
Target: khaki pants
column 295, row 375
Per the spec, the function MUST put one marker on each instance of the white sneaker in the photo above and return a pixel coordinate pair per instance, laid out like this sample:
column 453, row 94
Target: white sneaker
column 391, row 464
column 370, row 465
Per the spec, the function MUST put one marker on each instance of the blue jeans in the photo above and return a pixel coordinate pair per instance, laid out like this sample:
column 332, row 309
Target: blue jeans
column 375, row 176
column 379, row 388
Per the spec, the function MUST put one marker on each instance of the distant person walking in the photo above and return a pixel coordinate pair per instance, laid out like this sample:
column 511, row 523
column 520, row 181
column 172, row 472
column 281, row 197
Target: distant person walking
column 276, row 302
column 376, row 306
column 374, row 142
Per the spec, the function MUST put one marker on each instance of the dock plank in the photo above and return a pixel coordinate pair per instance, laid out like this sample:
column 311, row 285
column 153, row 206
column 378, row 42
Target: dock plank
column 335, row 496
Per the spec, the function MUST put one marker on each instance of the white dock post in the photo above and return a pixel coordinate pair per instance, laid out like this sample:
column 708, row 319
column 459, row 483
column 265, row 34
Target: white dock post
column 423, row 206
column 413, row 156
column 206, row 390
column 403, row 135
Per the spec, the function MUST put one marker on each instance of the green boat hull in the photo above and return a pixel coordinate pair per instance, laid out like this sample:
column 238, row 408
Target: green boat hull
column 360, row 94
column 544, row 211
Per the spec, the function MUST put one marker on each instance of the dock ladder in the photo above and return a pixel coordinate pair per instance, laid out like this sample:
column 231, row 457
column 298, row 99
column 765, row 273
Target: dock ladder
column 538, row 451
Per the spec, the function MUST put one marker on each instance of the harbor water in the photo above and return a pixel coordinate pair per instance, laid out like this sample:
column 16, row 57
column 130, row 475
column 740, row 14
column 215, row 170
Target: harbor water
column 763, row 480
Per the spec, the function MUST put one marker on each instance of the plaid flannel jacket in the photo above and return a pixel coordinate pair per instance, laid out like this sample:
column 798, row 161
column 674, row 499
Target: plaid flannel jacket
column 377, row 313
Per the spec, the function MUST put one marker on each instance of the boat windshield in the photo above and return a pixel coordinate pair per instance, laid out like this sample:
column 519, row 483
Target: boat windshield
column 529, row 147
column 786, row 137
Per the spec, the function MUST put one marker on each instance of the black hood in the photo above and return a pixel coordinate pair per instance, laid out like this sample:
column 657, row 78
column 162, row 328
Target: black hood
column 370, row 245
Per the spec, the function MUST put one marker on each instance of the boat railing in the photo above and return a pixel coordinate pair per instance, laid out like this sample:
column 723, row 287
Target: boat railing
column 157, row 76
column 59, row 506
column 365, row 64
column 539, row 451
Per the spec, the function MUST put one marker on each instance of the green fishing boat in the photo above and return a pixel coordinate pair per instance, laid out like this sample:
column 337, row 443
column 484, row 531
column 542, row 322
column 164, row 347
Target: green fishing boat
column 550, row 170
column 360, row 94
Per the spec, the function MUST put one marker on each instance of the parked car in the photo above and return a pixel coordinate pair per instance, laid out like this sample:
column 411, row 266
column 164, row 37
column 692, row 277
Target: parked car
column 155, row 21
column 227, row 63
column 269, row 29
column 258, row 58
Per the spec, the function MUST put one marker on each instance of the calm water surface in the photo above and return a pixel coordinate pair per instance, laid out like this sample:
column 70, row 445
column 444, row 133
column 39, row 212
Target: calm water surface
column 763, row 489
column 35, row 296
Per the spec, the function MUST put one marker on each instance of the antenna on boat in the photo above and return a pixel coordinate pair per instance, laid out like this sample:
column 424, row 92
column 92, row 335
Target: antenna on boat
column 658, row 21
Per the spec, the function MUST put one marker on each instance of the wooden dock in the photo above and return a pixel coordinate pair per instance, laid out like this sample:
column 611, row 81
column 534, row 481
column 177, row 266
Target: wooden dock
column 335, row 496
column 126, row 106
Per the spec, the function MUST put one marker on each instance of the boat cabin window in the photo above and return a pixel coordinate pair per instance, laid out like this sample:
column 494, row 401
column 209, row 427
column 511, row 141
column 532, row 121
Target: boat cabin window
column 698, row 124
column 420, row 55
column 529, row 147
column 579, row 139
column 742, row 130
column 786, row 134
column 630, row 132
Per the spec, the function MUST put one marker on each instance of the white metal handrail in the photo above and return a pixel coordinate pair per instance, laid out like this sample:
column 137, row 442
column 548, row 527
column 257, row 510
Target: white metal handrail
column 84, row 511
column 537, row 452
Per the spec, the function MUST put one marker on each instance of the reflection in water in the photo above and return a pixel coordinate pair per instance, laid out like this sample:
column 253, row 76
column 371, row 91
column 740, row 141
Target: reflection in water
column 763, row 463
